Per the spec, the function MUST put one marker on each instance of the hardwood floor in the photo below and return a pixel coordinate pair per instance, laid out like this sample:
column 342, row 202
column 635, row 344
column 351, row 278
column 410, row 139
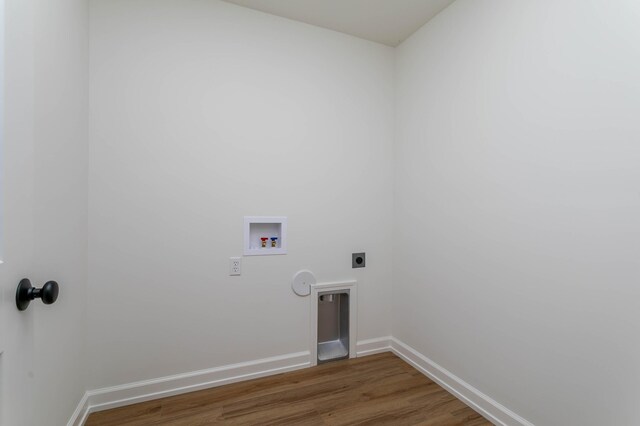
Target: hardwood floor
column 378, row 389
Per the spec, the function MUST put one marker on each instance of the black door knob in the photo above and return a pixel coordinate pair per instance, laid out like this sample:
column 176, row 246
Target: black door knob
column 26, row 293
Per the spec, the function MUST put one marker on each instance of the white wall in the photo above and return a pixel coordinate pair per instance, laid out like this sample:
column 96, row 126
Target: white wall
column 517, row 204
column 45, row 201
column 203, row 112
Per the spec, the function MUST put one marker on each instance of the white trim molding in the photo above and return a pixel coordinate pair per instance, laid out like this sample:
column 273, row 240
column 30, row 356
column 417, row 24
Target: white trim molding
column 132, row 393
column 373, row 346
column 483, row 404
column 79, row 416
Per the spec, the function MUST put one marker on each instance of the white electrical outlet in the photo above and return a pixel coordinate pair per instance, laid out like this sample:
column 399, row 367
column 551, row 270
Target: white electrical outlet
column 235, row 266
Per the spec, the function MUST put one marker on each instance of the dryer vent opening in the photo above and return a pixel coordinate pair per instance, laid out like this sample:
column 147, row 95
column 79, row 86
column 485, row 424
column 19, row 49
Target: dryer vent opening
column 333, row 325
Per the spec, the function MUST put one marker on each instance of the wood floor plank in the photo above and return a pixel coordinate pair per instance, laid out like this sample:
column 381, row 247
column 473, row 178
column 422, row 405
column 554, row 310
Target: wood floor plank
column 379, row 389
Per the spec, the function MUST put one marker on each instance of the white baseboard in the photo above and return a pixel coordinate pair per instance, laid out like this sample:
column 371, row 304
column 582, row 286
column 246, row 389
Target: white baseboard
column 483, row 404
column 79, row 416
column 373, row 346
column 132, row 393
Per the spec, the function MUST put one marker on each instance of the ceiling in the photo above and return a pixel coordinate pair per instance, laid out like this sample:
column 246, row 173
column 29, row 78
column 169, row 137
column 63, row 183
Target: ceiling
column 388, row 22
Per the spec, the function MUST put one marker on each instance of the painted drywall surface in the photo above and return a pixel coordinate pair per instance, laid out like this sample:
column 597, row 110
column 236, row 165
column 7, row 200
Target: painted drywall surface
column 517, row 206
column 203, row 112
column 45, row 201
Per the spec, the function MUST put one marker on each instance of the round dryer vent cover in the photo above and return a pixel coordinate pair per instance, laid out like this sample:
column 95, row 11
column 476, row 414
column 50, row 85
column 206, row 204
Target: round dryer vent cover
column 302, row 282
